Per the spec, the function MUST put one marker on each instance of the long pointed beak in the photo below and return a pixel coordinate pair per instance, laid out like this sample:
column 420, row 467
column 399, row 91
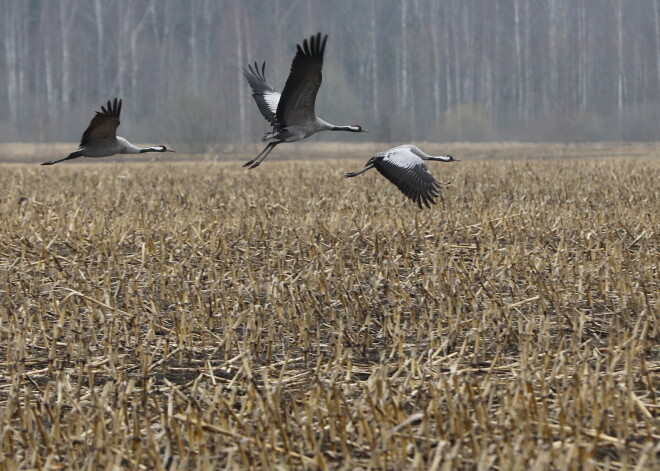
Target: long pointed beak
column 171, row 150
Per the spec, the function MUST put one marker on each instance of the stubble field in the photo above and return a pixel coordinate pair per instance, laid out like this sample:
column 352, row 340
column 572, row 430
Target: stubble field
column 202, row 316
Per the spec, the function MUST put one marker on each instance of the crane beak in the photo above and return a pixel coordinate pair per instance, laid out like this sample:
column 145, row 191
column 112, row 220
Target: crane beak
column 171, row 150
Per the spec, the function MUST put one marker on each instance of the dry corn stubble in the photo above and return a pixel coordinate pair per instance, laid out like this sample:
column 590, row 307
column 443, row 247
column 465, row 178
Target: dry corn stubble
column 200, row 316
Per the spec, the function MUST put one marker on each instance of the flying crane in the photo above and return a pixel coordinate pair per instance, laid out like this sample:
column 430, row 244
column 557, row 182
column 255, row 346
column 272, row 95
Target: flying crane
column 291, row 113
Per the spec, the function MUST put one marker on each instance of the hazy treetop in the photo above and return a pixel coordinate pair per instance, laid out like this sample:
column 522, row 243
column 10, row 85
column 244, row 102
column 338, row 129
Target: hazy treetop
column 565, row 70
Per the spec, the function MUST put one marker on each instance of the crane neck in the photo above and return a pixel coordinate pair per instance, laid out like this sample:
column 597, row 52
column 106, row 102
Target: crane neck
column 151, row 149
column 128, row 148
column 346, row 128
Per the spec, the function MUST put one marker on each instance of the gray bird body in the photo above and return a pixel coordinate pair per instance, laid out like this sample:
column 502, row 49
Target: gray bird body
column 404, row 167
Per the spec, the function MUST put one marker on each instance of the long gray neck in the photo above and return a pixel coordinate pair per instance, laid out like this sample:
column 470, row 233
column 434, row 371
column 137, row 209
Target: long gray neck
column 128, row 148
column 442, row 158
column 325, row 126
column 424, row 156
column 343, row 128
column 150, row 149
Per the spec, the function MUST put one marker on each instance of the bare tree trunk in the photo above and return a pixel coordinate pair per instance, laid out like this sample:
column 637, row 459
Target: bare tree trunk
column 656, row 24
column 458, row 89
column 374, row 62
column 51, row 99
column 448, row 64
column 527, row 89
column 124, row 25
column 519, row 78
column 165, row 41
column 10, row 19
column 66, row 19
column 468, row 79
column 436, row 47
column 192, row 41
column 135, row 33
column 403, row 92
column 620, row 77
column 208, row 14
column 100, row 72
column 583, row 60
column 550, row 92
column 242, row 113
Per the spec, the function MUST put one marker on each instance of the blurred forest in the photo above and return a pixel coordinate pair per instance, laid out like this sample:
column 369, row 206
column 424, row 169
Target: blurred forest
column 415, row 70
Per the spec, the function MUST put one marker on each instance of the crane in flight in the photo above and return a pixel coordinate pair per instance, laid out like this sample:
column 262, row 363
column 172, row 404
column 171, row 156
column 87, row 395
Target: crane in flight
column 404, row 166
column 291, row 113
column 100, row 138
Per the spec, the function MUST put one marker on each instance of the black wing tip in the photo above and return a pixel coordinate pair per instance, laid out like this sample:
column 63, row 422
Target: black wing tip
column 253, row 70
column 423, row 200
column 314, row 47
column 112, row 108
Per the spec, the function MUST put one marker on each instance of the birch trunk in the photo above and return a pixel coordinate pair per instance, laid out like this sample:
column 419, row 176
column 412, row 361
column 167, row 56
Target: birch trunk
column 620, row 77
column 550, row 94
column 242, row 113
column 518, row 84
column 583, row 60
column 66, row 16
column 192, row 41
column 100, row 72
column 135, row 63
column 11, row 55
column 374, row 61
column 51, row 99
column 403, row 92
column 527, row 89
column 436, row 47
column 656, row 24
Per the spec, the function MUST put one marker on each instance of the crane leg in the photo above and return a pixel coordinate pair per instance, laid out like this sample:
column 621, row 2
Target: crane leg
column 260, row 158
column 355, row 174
column 72, row 155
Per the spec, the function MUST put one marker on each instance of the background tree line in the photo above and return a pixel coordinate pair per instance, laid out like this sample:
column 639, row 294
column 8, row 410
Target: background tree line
column 408, row 70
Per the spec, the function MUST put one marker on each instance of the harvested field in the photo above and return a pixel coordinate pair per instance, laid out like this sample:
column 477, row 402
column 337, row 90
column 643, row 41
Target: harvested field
column 202, row 316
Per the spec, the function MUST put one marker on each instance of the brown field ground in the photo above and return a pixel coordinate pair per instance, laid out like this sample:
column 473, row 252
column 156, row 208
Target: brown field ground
column 197, row 315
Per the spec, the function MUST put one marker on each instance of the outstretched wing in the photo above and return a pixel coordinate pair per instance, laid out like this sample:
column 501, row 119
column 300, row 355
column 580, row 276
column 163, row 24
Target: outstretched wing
column 409, row 174
column 299, row 95
column 104, row 124
column 267, row 97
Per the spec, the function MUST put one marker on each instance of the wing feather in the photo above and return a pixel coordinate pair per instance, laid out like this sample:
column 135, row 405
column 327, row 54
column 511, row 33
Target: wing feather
column 266, row 97
column 298, row 98
column 412, row 178
column 104, row 124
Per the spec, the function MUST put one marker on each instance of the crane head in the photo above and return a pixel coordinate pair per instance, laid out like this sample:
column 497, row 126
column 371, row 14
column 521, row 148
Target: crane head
column 356, row 128
column 162, row 148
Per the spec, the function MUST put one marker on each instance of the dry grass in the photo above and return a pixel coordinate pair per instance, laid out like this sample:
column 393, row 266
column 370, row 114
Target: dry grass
column 37, row 153
column 201, row 316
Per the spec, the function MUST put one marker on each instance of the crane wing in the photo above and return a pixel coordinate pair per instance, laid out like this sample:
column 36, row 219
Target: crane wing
column 410, row 175
column 267, row 97
column 104, row 124
column 299, row 95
